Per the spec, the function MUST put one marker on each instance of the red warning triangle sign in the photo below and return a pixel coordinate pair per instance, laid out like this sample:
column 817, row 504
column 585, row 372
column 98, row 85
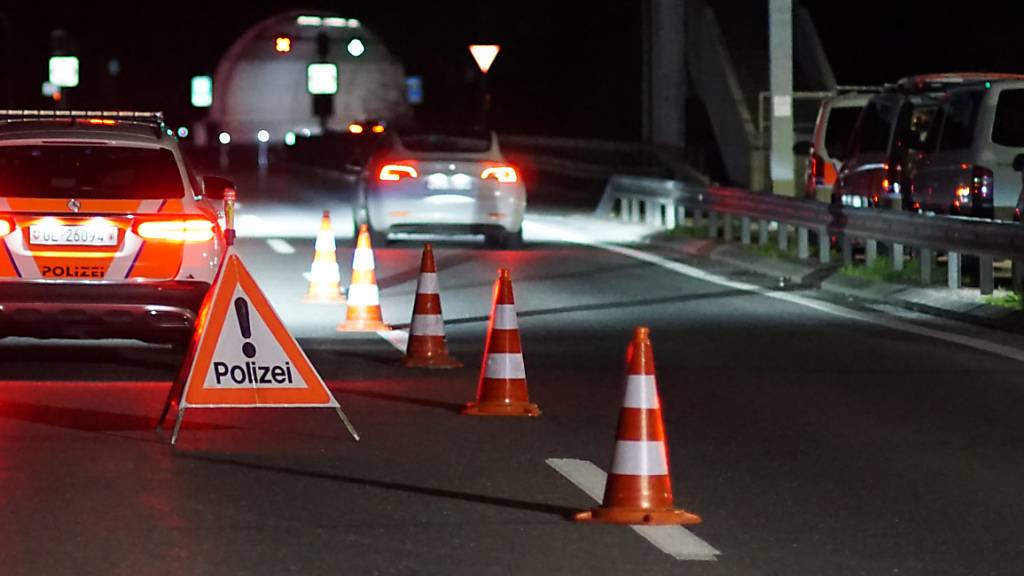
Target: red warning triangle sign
column 245, row 357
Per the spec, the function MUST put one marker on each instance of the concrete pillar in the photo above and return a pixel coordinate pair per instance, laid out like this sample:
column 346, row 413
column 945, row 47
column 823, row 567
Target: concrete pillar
column 698, row 217
column 624, row 208
column 681, row 215
column 953, row 270
column 846, row 244
column 669, row 209
column 782, row 235
column 803, row 250
column 727, row 228
column 897, row 256
column 870, row 252
column 664, row 26
column 652, row 212
column 824, row 246
column 927, row 256
column 986, row 278
column 634, row 210
column 762, row 232
column 745, row 230
column 780, row 51
column 713, row 224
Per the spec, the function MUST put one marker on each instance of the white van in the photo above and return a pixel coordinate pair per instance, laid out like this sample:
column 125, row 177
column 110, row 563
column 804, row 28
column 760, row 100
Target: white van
column 970, row 169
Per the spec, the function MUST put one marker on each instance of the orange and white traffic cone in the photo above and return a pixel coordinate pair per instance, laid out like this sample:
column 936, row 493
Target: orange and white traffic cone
column 639, row 489
column 427, row 346
column 502, row 388
column 363, row 313
column 324, row 274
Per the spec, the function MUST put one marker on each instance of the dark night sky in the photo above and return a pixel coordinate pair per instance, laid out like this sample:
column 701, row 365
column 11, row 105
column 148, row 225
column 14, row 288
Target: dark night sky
column 567, row 68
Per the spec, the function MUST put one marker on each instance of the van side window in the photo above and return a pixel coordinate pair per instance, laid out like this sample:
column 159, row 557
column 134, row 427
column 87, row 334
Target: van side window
column 1008, row 126
column 959, row 120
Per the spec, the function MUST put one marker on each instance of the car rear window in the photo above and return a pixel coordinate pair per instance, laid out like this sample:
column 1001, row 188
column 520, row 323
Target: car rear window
column 1008, row 128
column 459, row 141
column 840, row 124
column 875, row 126
column 85, row 171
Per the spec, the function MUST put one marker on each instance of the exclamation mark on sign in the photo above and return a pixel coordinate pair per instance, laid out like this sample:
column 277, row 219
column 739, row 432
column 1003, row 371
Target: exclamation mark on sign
column 242, row 310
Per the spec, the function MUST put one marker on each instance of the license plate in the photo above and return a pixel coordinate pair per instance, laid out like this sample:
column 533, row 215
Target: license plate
column 439, row 181
column 61, row 235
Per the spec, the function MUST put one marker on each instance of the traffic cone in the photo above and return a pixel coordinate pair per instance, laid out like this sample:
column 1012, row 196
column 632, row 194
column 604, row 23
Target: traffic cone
column 502, row 388
column 427, row 346
column 639, row 489
column 324, row 274
column 363, row 313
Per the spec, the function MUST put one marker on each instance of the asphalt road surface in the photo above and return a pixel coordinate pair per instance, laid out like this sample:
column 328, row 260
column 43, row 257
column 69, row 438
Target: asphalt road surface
column 810, row 440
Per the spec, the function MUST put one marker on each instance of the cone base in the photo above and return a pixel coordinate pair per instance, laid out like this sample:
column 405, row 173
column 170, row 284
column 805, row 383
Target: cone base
column 363, row 326
column 438, row 362
column 638, row 516
column 496, row 409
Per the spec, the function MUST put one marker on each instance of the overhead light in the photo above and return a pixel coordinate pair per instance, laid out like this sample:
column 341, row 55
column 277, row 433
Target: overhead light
column 309, row 21
column 356, row 47
column 64, row 71
column 263, row 136
column 335, row 22
column 224, row 138
column 202, row 91
column 353, row 23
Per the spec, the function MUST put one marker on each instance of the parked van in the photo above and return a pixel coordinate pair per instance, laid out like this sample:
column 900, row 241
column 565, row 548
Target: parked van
column 890, row 136
column 980, row 132
column 837, row 117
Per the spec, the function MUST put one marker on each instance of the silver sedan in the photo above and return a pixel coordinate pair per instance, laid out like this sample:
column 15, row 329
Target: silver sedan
column 442, row 182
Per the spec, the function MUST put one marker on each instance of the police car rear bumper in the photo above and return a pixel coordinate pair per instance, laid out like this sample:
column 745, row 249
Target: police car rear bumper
column 152, row 312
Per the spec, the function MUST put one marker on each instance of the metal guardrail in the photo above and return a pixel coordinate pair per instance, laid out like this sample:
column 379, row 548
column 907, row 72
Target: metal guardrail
column 665, row 203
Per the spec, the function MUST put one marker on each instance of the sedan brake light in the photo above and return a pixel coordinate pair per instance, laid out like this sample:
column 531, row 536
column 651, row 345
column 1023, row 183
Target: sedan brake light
column 395, row 172
column 190, row 230
column 503, row 174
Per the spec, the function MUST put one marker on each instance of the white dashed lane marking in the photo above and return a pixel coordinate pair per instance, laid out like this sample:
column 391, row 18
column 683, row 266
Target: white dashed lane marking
column 675, row 541
column 280, row 246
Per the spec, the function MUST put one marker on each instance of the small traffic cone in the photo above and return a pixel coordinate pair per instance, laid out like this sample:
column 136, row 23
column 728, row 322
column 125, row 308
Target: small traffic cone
column 324, row 274
column 502, row 388
column 639, row 489
column 427, row 346
column 363, row 313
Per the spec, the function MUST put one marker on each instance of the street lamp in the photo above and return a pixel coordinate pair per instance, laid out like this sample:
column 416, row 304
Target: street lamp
column 484, row 55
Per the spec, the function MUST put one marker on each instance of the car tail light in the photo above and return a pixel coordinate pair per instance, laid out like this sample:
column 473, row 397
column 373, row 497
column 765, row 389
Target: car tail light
column 186, row 230
column 355, row 128
column 377, row 129
column 503, row 174
column 395, row 172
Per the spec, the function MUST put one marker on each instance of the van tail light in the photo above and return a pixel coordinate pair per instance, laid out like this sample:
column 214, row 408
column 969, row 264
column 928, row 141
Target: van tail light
column 395, row 172
column 982, row 183
column 503, row 174
column 6, row 226
column 185, row 230
column 815, row 173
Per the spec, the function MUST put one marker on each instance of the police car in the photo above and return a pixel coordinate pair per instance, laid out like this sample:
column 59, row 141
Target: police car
column 106, row 230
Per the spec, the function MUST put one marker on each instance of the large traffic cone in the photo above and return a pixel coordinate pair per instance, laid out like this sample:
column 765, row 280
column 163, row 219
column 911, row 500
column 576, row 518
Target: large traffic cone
column 502, row 388
column 639, row 489
column 363, row 313
column 427, row 346
column 324, row 274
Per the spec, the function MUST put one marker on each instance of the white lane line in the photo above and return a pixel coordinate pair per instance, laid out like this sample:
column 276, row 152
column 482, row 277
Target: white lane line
column 675, row 541
column 680, row 268
column 397, row 338
column 280, row 246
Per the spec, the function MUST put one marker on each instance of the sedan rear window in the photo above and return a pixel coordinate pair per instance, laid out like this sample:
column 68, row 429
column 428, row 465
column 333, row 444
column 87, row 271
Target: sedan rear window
column 459, row 141
column 85, row 171
column 1008, row 127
